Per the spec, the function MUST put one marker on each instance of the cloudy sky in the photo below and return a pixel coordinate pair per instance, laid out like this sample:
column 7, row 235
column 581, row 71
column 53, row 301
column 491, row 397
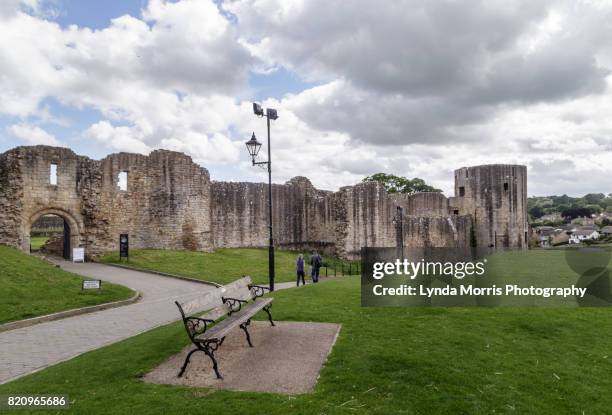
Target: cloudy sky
column 415, row 88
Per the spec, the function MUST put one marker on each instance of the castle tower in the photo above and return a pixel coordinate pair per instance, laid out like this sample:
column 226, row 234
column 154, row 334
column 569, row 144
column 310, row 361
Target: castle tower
column 496, row 196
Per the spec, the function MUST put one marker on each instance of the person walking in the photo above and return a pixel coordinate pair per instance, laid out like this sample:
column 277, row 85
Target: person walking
column 299, row 267
column 315, row 265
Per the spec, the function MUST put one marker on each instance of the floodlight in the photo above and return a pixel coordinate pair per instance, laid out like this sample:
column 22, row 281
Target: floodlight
column 271, row 113
column 257, row 109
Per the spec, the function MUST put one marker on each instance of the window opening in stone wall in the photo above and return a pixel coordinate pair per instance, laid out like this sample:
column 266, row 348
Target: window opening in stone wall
column 505, row 187
column 455, row 212
column 122, row 181
column 461, row 191
column 53, row 174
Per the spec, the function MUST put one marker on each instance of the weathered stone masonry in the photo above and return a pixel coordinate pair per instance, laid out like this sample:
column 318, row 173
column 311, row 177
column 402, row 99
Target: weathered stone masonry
column 170, row 203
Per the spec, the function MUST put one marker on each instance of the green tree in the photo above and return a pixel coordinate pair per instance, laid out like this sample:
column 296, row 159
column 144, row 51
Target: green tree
column 398, row 184
column 594, row 208
column 536, row 212
column 594, row 198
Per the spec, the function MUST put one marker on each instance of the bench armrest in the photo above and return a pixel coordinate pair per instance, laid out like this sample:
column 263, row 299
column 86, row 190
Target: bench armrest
column 234, row 304
column 258, row 290
column 196, row 325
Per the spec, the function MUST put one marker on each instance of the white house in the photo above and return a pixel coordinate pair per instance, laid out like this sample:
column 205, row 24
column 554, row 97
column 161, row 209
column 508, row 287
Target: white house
column 583, row 235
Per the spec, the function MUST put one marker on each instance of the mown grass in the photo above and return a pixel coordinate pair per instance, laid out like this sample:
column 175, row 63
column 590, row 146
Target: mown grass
column 31, row 287
column 36, row 242
column 221, row 266
column 386, row 361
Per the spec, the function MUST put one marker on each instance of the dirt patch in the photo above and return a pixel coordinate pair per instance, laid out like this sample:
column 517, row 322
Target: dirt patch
column 285, row 359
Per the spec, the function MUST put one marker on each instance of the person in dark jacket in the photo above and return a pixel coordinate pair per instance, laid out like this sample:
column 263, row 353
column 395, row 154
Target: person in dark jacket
column 315, row 265
column 299, row 267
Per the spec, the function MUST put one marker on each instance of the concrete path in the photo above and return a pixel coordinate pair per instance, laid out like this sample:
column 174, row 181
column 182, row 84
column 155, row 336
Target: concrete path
column 29, row 349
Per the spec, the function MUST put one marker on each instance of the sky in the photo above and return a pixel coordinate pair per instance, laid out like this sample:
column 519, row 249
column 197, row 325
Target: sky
column 416, row 88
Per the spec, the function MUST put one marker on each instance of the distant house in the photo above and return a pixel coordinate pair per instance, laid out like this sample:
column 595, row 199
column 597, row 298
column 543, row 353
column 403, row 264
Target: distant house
column 548, row 236
column 606, row 231
column 588, row 228
column 583, row 221
column 551, row 217
column 603, row 216
column 582, row 235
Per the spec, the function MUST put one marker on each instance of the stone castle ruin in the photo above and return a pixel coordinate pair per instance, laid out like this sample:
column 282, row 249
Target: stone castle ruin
column 166, row 201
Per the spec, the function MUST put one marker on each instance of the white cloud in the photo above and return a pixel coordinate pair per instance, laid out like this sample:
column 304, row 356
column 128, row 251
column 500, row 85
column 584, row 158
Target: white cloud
column 411, row 88
column 159, row 80
column 33, row 135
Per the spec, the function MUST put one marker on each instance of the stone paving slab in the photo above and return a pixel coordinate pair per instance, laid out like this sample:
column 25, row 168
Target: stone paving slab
column 285, row 359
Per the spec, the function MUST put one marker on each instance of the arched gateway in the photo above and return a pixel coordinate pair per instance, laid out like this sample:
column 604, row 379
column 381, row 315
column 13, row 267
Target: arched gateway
column 72, row 233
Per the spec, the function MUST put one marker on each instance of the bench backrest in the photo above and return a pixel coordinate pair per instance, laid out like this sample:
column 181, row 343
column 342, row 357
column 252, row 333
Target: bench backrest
column 238, row 289
column 201, row 303
column 213, row 301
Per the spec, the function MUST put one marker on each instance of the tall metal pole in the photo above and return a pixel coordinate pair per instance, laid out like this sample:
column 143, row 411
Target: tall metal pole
column 271, row 246
column 399, row 229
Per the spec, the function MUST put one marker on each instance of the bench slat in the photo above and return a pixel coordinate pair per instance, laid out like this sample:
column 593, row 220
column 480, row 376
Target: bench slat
column 202, row 303
column 221, row 329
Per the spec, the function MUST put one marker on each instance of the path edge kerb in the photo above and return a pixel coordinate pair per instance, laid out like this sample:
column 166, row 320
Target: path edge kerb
column 163, row 274
column 67, row 313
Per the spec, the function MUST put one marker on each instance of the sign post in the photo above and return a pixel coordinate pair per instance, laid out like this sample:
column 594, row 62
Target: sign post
column 124, row 247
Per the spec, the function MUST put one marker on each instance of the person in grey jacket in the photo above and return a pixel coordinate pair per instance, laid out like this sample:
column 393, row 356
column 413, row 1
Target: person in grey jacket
column 315, row 265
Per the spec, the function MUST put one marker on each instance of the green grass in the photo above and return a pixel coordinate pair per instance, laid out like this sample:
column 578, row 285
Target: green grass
column 386, row 361
column 36, row 242
column 32, row 287
column 222, row 266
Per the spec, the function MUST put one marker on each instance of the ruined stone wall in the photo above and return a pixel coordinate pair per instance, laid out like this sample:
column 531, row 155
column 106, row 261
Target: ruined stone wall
column 11, row 196
column 496, row 198
column 302, row 215
column 166, row 203
column 170, row 203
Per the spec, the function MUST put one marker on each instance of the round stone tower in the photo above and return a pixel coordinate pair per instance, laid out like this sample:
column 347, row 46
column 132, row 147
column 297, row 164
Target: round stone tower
column 496, row 196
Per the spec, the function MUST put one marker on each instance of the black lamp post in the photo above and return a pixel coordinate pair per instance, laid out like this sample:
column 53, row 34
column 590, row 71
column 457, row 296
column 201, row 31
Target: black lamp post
column 253, row 147
column 398, row 221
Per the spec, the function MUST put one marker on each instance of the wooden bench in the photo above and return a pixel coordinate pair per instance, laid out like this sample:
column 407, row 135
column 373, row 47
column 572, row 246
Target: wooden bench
column 232, row 305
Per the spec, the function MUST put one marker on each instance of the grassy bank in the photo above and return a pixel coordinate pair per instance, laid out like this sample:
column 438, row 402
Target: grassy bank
column 386, row 360
column 221, row 266
column 32, row 287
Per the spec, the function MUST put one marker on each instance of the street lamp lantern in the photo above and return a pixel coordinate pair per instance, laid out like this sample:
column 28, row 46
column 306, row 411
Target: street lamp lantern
column 253, row 146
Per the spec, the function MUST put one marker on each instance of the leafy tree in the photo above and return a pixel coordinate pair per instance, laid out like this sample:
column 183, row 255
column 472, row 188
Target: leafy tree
column 594, row 198
column 594, row 208
column 536, row 212
column 398, row 184
column 576, row 212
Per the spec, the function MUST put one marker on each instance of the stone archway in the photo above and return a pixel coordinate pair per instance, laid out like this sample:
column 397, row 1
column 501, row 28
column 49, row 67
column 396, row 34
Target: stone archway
column 73, row 228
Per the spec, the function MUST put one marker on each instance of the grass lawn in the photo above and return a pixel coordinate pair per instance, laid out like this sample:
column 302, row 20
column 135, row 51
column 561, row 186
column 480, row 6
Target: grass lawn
column 36, row 242
column 31, row 287
column 386, row 361
column 222, row 266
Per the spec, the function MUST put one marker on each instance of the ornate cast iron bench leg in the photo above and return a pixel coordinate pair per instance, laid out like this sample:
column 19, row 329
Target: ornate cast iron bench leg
column 209, row 349
column 187, row 362
column 243, row 326
column 267, row 310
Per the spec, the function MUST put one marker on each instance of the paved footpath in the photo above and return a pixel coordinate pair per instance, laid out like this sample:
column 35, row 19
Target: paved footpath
column 29, row 349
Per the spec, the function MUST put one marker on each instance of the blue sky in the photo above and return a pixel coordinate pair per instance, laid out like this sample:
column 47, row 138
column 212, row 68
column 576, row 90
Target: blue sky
column 97, row 15
column 416, row 90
